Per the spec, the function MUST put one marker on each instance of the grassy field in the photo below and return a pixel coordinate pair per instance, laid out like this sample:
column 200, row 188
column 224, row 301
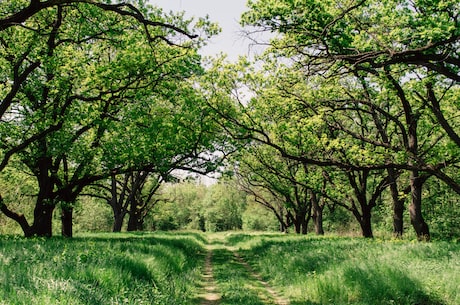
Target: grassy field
column 101, row 269
column 337, row 270
column 166, row 269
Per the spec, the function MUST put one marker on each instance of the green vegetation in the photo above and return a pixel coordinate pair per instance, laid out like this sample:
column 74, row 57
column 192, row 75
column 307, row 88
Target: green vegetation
column 166, row 268
column 338, row 270
column 101, row 269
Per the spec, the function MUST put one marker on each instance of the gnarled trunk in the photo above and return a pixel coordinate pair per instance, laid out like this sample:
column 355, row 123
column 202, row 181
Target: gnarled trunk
column 43, row 220
column 136, row 221
column 415, row 208
column 45, row 205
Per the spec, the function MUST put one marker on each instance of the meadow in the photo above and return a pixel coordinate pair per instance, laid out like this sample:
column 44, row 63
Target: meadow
column 166, row 268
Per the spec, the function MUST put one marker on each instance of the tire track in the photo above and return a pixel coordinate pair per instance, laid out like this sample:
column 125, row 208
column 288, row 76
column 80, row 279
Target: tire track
column 210, row 295
column 277, row 299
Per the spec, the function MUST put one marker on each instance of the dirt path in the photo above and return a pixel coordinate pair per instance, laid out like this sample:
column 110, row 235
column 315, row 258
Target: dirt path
column 210, row 296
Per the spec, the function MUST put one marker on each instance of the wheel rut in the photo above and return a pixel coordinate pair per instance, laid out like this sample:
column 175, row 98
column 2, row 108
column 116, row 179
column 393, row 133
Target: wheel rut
column 277, row 299
column 210, row 294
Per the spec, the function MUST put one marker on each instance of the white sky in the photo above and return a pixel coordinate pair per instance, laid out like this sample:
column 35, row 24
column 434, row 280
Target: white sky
column 225, row 12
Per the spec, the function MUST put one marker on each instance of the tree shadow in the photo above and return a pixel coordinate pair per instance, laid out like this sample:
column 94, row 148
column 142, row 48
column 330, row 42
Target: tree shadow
column 386, row 285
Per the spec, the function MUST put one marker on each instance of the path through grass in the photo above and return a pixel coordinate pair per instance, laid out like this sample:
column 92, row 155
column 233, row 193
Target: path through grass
column 186, row 268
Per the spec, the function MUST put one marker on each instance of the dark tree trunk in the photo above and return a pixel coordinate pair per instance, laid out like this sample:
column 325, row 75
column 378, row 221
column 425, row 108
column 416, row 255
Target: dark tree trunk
column 317, row 214
column 280, row 216
column 304, row 226
column 366, row 224
column 415, row 208
column 67, row 223
column 297, row 225
column 45, row 205
column 136, row 221
column 398, row 204
column 19, row 218
column 117, row 221
column 43, row 220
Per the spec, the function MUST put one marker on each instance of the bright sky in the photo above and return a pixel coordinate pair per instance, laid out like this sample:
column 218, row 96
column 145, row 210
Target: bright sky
column 225, row 12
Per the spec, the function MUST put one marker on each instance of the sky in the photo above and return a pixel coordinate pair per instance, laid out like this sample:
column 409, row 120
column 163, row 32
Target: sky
column 225, row 12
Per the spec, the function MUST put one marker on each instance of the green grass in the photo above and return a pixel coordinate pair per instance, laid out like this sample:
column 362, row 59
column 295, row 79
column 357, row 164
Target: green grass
column 165, row 269
column 333, row 270
column 235, row 283
column 101, row 269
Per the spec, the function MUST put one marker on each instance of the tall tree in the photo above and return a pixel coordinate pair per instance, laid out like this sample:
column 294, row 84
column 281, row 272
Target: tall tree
column 73, row 72
column 404, row 47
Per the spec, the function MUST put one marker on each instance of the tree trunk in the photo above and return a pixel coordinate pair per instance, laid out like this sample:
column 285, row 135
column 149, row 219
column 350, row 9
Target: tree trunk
column 304, row 229
column 415, row 208
column 398, row 205
column 297, row 225
column 44, row 207
column 366, row 224
column 19, row 218
column 317, row 214
column 135, row 222
column 43, row 220
column 66, row 218
column 117, row 221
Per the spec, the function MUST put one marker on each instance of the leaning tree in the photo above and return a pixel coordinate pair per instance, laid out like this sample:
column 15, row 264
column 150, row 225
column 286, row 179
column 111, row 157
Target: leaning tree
column 72, row 74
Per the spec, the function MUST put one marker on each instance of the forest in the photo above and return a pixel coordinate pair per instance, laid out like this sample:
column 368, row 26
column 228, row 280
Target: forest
column 348, row 122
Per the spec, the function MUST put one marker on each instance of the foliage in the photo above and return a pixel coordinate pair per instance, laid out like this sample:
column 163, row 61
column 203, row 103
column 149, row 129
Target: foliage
column 81, row 102
column 101, row 269
column 363, row 87
column 257, row 218
column 223, row 207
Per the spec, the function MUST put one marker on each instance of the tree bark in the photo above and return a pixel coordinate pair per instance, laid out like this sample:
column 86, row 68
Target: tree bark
column 43, row 220
column 45, row 205
column 415, row 208
column 19, row 218
column 67, row 223
column 366, row 223
column 135, row 221
column 118, row 221
column 317, row 214
column 398, row 205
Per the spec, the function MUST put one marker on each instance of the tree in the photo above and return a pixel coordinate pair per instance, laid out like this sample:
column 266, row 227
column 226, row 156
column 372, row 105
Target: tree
column 130, row 194
column 402, row 61
column 272, row 179
column 223, row 207
column 67, row 84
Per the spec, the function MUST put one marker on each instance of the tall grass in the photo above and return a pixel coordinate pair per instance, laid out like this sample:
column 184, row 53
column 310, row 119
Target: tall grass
column 101, row 269
column 333, row 270
column 166, row 269
column 235, row 283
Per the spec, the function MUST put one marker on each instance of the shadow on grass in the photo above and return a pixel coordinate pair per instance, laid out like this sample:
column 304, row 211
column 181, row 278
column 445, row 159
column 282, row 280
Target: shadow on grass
column 386, row 285
column 234, row 283
column 341, row 272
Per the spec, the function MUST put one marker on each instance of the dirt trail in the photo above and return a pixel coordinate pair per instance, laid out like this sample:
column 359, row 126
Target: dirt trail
column 210, row 296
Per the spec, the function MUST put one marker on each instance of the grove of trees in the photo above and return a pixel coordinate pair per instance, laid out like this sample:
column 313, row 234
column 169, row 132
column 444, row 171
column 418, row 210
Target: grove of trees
column 352, row 107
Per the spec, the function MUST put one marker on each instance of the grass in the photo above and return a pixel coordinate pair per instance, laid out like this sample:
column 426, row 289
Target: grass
column 332, row 270
column 165, row 269
column 235, row 283
column 101, row 269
